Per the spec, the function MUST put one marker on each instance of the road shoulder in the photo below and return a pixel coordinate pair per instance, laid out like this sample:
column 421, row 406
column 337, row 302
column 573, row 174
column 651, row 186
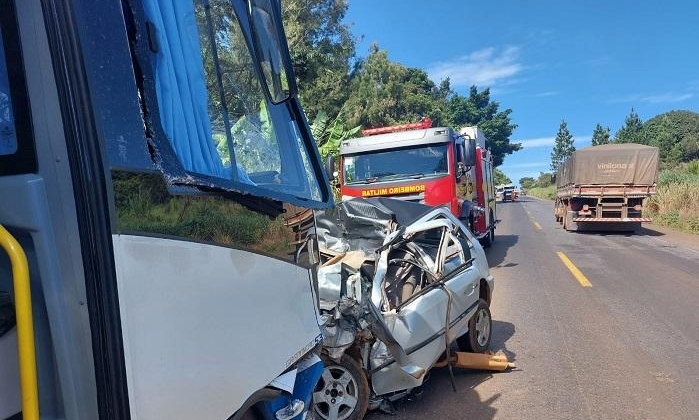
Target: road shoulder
column 674, row 236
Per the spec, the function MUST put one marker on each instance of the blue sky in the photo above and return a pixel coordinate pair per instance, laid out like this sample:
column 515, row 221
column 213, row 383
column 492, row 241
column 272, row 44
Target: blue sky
column 583, row 61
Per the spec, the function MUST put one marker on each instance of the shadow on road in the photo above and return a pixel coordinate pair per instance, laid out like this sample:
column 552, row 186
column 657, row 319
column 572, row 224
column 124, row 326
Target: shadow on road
column 503, row 331
column 464, row 403
column 650, row 232
column 620, row 234
column 498, row 251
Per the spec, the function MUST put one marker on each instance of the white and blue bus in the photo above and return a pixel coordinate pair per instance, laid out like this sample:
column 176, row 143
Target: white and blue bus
column 148, row 149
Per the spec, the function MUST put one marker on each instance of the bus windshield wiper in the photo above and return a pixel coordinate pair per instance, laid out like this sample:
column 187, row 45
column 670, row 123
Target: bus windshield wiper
column 416, row 175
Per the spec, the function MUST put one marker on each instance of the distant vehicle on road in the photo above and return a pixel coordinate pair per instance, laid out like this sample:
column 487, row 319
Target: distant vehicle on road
column 603, row 187
column 508, row 193
column 498, row 192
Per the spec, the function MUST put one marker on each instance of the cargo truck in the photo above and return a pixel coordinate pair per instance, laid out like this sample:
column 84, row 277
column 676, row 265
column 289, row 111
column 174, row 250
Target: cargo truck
column 603, row 187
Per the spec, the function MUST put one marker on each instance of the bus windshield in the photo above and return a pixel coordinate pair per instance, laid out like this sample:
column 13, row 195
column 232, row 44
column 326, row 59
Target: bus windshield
column 404, row 163
column 226, row 128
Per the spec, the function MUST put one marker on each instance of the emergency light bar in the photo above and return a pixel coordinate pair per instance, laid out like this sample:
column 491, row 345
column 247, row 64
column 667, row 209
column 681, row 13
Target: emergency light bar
column 425, row 123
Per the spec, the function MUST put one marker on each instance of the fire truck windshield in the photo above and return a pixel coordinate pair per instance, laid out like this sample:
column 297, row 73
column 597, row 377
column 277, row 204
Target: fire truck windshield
column 404, row 163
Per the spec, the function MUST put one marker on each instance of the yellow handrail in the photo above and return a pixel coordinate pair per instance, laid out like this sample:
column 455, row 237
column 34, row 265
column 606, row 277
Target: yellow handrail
column 25, row 325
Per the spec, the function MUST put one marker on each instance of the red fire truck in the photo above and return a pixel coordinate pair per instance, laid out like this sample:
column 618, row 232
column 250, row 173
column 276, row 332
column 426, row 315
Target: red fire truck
column 431, row 165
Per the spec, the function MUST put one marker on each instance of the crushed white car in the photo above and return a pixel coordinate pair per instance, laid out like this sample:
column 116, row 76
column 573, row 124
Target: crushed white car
column 401, row 283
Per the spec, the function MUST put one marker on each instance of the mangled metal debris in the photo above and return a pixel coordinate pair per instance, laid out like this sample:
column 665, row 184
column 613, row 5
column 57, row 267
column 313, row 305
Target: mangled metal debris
column 401, row 283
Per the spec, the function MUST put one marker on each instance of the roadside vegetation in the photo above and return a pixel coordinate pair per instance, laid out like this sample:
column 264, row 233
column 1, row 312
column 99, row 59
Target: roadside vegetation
column 499, row 177
column 541, row 187
column 676, row 135
column 676, row 203
column 547, row 193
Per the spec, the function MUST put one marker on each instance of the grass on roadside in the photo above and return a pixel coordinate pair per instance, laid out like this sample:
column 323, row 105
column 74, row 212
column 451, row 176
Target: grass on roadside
column 547, row 193
column 676, row 205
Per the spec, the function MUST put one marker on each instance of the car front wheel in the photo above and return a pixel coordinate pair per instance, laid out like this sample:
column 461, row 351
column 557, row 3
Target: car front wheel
column 342, row 393
column 480, row 328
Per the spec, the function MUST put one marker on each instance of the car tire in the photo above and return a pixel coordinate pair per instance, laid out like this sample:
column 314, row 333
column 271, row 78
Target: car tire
column 342, row 392
column 480, row 330
column 251, row 414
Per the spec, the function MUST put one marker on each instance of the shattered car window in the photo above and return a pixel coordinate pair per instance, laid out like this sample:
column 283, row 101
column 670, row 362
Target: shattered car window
column 457, row 255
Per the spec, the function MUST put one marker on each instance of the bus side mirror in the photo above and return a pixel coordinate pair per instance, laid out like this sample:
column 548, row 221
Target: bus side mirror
column 553, row 179
column 330, row 168
column 470, row 153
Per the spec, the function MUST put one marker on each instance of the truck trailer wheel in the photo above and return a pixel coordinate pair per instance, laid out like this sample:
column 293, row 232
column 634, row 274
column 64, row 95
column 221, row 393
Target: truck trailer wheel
column 342, row 392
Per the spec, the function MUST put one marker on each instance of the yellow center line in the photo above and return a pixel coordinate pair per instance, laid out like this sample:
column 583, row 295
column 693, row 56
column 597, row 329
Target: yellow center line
column 538, row 226
column 579, row 276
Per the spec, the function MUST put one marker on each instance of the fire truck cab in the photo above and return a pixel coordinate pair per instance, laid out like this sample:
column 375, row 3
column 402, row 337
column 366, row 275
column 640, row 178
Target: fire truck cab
column 437, row 166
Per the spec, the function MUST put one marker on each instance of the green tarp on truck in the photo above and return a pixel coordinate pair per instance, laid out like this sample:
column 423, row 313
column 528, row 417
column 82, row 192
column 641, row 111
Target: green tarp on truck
column 610, row 164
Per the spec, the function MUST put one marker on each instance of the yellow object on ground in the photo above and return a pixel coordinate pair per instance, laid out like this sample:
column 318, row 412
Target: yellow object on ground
column 25, row 325
column 465, row 360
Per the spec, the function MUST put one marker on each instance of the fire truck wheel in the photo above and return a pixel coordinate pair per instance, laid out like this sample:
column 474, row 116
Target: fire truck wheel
column 489, row 238
column 485, row 241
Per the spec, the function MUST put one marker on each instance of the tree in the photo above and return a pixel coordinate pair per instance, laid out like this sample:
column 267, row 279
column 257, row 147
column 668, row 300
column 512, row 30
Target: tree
column 545, row 179
column 527, row 182
column 478, row 109
column 563, row 146
column 329, row 132
column 630, row 132
column 499, row 177
column 676, row 134
column 600, row 135
column 384, row 92
column 322, row 47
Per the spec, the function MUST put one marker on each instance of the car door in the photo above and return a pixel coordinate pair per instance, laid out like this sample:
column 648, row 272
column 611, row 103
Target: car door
column 461, row 278
column 418, row 321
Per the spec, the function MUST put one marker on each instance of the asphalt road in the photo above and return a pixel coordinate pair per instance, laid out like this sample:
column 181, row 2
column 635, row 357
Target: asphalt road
column 626, row 347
